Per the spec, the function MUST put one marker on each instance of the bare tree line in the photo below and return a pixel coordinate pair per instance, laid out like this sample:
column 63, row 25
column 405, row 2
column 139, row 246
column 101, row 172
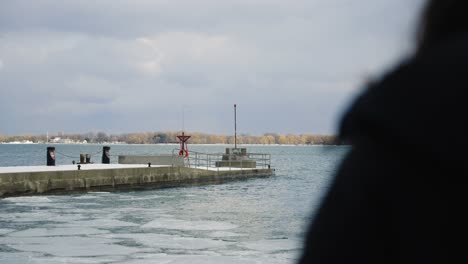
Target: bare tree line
column 170, row 137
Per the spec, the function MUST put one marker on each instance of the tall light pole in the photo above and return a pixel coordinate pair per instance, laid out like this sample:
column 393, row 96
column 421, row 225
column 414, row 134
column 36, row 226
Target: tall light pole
column 235, row 126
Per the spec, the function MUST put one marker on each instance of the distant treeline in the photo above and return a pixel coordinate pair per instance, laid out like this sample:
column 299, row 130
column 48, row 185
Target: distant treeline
column 170, row 137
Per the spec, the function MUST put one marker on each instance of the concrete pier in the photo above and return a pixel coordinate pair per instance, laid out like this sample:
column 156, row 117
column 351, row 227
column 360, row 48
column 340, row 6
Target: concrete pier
column 169, row 160
column 32, row 180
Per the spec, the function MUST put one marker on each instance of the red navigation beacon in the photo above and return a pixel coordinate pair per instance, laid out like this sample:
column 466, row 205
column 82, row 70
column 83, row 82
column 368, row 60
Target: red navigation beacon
column 183, row 145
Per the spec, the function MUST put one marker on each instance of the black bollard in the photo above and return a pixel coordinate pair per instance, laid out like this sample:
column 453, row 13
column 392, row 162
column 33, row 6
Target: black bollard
column 50, row 156
column 88, row 158
column 105, row 155
column 149, row 164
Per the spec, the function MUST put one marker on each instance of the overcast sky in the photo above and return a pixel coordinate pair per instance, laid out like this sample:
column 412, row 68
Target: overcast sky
column 140, row 65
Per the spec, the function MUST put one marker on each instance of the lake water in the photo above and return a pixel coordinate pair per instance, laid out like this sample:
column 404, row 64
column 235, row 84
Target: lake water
column 253, row 221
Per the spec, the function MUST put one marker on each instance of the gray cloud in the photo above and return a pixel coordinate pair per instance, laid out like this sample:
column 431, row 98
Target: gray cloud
column 119, row 66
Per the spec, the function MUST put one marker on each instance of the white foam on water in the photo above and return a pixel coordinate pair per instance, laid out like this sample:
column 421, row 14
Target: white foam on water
column 69, row 246
column 44, row 232
column 87, row 211
column 4, row 231
column 280, row 258
column 132, row 198
column 54, row 205
column 147, row 213
column 87, row 204
column 33, row 258
column 9, row 240
column 39, row 216
column 272, row 245
column 19, row 257
column 225, row 234
column 37, row 205
column 239, row 253
column 85, row 197
column 194, row 259
column 148, row 255
column 47, row 205
column 146, row 210
column 163, row 241
column 139, row 198
column 28, row 199
column 275, row 258
column 177, row 224
column 80, row 260
column 104, row 223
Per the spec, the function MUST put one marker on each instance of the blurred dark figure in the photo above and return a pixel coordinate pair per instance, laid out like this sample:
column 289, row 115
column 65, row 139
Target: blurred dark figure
column 401, row 194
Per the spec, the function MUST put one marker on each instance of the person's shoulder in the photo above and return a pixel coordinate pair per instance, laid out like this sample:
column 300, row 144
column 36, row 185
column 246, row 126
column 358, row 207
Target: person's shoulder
column 440, row 67
column 427, row 88
column 452, row 52
column 443, row 61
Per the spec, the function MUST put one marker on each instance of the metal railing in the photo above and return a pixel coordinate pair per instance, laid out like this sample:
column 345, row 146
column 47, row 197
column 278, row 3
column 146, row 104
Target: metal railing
column 222, row 160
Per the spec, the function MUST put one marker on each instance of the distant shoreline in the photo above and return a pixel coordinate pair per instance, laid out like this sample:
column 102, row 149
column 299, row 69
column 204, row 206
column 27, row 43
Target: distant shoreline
column 170, row 137
column 169, row 144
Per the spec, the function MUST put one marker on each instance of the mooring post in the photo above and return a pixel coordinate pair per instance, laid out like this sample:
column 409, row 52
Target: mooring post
column 235, row 126
column 105, row 155
column 50, row 156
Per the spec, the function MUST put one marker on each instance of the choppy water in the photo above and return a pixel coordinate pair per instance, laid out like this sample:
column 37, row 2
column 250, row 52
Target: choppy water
column 253, row 221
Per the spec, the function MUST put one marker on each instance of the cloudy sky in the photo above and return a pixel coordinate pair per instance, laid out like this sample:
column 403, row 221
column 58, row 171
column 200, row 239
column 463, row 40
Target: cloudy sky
column 141, row 65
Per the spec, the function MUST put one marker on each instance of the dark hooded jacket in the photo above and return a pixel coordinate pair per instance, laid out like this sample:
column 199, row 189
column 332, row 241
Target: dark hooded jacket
column 400, row 195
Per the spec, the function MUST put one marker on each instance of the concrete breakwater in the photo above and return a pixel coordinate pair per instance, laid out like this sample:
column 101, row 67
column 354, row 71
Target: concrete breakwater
column 173, row 160
column 15, row 181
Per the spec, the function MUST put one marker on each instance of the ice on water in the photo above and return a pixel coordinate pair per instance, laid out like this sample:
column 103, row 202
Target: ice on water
column 211, row 259
column 77, row 234
column 4, row 231
column 40, row 216
column 79, row 260
column 27, row 199
column 69, row 246
column 162, row 241
column 102, row 223
column 237, row 222
column 148, row 197
column 82, row 235
column 194, row 259
column 85, row 197
column 167, row 223
column 40, row 258
column 50, row 232
column 225, row 234
column 19, row 257
column 272, row 245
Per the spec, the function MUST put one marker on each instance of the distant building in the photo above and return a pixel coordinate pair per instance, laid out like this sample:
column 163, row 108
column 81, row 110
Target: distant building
column 59, row 140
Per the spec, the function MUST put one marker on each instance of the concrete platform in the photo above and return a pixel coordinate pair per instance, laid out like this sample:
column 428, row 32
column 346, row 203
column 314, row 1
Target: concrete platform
column 16, row 169
column 32, row 180
column 172, row 160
